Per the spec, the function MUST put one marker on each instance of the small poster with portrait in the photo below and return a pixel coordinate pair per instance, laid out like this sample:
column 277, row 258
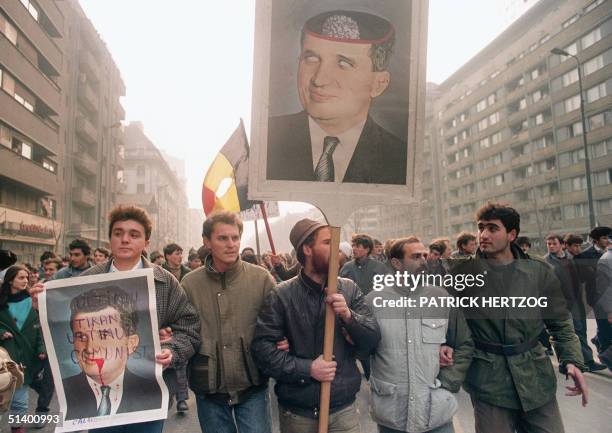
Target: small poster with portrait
column 101, row 334
column 338, row 102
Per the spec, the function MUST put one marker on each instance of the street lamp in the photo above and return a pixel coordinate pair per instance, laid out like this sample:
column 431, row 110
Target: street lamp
column 587, row 161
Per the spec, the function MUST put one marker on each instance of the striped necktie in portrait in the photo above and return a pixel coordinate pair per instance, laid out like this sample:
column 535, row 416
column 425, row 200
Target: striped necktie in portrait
column 325, row 167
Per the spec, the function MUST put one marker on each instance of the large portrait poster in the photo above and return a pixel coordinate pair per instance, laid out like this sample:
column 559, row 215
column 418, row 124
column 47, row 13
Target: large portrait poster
column 101, row 334
column 338, row 100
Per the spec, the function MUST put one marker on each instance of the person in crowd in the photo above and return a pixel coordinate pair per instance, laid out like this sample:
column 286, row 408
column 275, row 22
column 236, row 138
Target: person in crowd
column 248, row 255
column 79, row 260
column 573, row 244
column 193, row 261
column 363, row 268
column 231, row 394
column 101, row 255
column 173, row 261
column 523, row 243
column 7, row 259
column 65, row 262
column 566, row 271
column 511, row 381
column 466, row 245
column 435, row 266
column 407, row 359
column 34, row 276
column 51, row 266
column 129, row 231
column 295, row 310
column 378, row 253
column 284, row 271
column 203, row 251
column 603, row 308
column 346, row 252
column 587, row 269
column 44, row 256
column 20, row 335
column 157, row 258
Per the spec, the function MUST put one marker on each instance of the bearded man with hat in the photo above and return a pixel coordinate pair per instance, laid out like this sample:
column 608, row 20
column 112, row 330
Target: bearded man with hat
column 295, row 310
column 343, row 66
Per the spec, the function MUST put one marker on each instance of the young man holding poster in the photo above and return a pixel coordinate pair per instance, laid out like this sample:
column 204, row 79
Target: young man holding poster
column 129, row 232
column 296, row 310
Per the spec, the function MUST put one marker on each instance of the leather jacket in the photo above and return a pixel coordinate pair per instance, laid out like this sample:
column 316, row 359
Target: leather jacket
column 295, row 309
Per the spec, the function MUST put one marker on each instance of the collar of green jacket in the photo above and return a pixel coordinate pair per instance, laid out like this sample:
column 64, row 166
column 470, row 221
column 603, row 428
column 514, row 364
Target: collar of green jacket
column 229, row 274
column 521, row 260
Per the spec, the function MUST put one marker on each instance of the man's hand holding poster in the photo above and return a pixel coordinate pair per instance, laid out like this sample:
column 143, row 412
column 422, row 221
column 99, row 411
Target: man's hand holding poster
column 101, row 334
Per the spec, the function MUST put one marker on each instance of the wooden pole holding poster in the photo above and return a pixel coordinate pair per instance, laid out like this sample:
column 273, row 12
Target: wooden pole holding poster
column 265, row 218
column 330, row 320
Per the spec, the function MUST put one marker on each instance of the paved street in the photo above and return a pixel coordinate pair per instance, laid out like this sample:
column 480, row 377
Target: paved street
column 595, row 418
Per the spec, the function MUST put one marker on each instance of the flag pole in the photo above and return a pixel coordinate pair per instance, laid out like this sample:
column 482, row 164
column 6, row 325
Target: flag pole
column 257, row 240
column 265, row 218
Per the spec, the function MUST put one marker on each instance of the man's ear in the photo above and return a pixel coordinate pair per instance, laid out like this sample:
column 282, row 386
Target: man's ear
column 133, row 341
column 512, row 235
column 397, row 264
column 380, row 84
column 206, row 242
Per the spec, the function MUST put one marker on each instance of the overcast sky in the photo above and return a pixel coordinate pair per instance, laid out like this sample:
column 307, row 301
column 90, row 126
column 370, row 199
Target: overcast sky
column 187, row 64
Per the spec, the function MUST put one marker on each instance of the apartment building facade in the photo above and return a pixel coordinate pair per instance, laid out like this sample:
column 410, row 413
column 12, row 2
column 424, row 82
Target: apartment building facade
column 508, row 124
column 32, row 54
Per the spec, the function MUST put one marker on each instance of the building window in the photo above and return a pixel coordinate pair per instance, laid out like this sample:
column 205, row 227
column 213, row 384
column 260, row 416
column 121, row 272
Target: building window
column 484, row 143
column 482, row 124
column 577, row 183
column 599, row 120
column 596, row 92
column 8, row 30
column 498, row 179
column 572, row 103
column 590, row 38
column 26, row 150
column 601, row 178
column 140, row 170
column 604, row 207
column 592, row 6
column 572, row 49
column 595, row 64
column 570, row 77
column 5, row 137
column 49, row 165
column 31, row 8
column 570, row 21
column 140, row 188
column 496, row 138
column 481, row 105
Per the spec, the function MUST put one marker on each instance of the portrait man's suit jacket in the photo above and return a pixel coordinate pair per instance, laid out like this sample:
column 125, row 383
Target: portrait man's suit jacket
column 138, row 394
column 379, row 158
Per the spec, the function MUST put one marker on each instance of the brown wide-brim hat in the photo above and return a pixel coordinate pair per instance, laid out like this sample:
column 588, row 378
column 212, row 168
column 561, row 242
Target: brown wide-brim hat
column 302, row 229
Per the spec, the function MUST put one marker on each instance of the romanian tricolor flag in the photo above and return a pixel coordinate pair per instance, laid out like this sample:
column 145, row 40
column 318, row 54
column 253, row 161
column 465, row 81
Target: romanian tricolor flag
column 225, row 184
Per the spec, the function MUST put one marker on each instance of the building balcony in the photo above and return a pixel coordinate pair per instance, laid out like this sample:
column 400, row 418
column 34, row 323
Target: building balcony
column 83, row 196
column 89, row 66
column 34, row 32
column 120, row 111
column 22, row 226
column 88, row 97
column 86, row 130
column 21, row 119
column 85, row 163
column 27, row 172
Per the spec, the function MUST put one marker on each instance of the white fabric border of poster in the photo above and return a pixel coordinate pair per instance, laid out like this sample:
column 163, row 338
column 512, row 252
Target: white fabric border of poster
column 120, row 418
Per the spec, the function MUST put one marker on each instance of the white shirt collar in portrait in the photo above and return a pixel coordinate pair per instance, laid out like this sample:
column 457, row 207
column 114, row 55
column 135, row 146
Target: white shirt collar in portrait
column 139, row 265
column 344, row 151
column 115, row 393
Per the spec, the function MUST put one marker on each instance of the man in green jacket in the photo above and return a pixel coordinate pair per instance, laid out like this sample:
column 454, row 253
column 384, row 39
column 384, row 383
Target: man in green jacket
column 231, row 394
column 511, row 379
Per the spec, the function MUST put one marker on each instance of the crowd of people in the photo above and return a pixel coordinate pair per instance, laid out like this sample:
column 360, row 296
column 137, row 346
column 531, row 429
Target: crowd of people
column 230, row 320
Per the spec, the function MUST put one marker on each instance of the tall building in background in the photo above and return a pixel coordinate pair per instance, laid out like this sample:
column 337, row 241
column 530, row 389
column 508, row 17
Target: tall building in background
column 92, row 131
column 195, row 220
column 508, row 125
column 32, row 57
column 150, row 182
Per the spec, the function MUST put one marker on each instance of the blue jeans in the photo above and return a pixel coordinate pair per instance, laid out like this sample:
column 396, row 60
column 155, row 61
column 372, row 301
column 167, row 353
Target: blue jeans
column 141, row 427
column 252, row 415
column 19, row 406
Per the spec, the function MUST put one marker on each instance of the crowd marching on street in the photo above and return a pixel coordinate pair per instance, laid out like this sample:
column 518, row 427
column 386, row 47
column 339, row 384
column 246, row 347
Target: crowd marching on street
column 231, row 320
